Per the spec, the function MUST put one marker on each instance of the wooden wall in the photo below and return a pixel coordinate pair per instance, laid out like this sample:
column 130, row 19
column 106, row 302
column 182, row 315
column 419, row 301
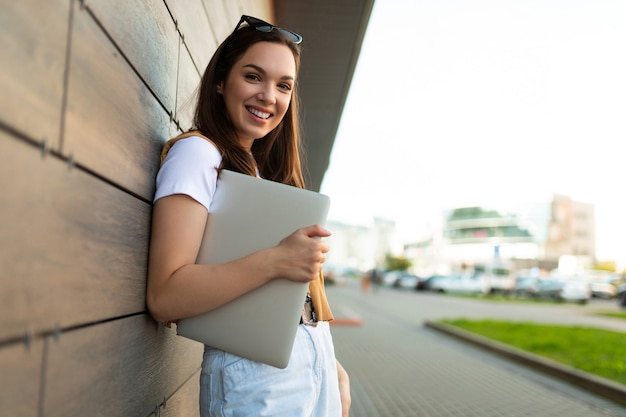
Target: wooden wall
column 89, row 92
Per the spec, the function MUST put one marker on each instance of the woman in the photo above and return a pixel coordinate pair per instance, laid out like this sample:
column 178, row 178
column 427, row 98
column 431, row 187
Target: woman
column 246, row 120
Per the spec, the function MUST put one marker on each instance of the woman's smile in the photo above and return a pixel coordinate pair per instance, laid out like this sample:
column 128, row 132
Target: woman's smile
column 258, row 113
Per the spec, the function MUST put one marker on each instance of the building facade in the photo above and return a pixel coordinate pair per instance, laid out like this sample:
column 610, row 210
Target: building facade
column 537, row 237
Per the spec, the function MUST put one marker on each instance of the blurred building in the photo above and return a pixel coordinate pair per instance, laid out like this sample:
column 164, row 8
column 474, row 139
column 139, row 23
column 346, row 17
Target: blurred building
column 571, row 230
column 359, row 248
column 535, row 237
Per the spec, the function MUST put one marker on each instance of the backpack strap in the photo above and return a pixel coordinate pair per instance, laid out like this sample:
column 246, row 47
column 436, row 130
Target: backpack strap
column 168, row 145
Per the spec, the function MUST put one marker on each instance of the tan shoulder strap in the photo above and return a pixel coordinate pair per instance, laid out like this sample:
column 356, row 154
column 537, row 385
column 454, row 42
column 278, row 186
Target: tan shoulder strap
column 168, row 145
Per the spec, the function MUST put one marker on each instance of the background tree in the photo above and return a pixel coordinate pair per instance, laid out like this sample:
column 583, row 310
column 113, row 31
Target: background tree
column 396, row 263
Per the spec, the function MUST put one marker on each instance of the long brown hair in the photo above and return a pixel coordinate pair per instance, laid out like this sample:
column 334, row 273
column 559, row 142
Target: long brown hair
column 277, row 154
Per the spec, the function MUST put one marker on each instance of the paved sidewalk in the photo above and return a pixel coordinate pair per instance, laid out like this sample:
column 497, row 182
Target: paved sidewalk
column 399, row 367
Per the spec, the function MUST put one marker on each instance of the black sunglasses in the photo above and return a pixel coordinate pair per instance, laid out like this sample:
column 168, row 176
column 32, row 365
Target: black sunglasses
column 263, row 26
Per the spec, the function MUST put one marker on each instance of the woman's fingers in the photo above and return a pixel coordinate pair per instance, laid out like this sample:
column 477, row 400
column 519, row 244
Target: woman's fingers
column 305, row 253
column 315, row 231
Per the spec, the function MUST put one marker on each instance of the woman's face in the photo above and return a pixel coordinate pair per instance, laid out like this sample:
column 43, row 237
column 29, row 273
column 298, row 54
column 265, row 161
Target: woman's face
column 258, row 90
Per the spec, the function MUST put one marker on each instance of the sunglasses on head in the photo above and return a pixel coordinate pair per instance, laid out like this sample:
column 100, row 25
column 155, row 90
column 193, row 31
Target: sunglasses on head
column 263, row 26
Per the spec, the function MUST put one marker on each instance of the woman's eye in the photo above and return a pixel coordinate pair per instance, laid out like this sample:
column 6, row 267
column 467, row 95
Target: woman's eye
column 253, row 77
column 286, row 87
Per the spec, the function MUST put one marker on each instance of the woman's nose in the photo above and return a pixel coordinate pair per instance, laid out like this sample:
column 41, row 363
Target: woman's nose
column 267, row 95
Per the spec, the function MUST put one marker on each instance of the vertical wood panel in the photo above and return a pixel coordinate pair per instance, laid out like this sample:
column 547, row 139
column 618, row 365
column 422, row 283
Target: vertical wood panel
column 117, row 369
column 20, row 372
column 193, row 25
column 32, row 49
column 261, row 9
column 74, row 249
column 145, row 33
column 114, row 125
column 220, row 20
column 185, row 401
column 188, row 82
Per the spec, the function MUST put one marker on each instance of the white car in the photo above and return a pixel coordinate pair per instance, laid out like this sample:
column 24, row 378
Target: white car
column 465, row 283
column 390, row 278
column 569, row 289
column 576, row 291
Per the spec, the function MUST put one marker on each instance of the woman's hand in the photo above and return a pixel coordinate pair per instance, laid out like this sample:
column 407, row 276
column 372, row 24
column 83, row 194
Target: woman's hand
column 344, row 390
column 303, row 254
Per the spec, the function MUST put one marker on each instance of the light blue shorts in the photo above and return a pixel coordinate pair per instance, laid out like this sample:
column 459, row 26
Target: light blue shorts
column 231, row 386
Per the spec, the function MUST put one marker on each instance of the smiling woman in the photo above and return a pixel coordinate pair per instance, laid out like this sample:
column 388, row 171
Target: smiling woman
column 246, row 120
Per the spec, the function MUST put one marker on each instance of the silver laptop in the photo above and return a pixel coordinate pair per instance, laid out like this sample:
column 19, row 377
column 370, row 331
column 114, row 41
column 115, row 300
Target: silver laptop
column 248, row 214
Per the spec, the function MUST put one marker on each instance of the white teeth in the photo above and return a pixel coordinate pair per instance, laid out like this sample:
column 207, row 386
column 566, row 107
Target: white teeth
column 260, row 114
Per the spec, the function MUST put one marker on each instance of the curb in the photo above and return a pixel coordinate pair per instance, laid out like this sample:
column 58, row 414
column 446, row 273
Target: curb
column 601, row 386
column 346, row 321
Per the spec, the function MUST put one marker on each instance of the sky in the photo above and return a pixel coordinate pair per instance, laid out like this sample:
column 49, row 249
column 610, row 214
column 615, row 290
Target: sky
column 493, row 103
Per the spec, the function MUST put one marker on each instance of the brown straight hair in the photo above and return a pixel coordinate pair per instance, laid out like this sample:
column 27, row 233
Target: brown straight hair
column 277, row 155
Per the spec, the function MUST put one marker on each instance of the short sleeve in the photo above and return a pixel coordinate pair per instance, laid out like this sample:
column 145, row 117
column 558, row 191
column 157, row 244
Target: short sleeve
column 189, row 168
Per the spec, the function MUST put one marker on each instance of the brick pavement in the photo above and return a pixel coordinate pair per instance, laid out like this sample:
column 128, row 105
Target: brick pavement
column 400, row 368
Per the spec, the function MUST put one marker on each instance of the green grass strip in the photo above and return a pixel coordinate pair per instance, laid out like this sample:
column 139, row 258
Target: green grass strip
column 596, row 351
column 614, row 314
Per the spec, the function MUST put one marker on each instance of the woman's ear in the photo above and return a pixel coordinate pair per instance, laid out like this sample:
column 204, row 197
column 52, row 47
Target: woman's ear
column 220, row 87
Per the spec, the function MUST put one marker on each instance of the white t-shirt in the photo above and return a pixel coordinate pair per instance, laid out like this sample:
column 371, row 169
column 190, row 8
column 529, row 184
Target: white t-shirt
column 189, row 168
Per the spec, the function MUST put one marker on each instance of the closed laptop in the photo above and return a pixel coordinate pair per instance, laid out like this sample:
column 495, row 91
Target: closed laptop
column 248, row 214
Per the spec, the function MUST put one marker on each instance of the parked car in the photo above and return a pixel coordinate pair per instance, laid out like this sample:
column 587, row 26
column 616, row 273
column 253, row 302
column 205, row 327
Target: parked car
column 390, row 277
column 602, row 284
column 570, row 289
column 621, row 295
column 407, row 281
column 464, row 283
column 499, row 276
column 525, row 286
column 426, row 284
column 437, row 282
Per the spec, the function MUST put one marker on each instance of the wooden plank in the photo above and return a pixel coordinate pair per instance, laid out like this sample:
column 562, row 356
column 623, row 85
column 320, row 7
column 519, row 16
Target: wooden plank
column 184, row 402
column 195, row 29
column 145, row 32
column 262, row 9
column 20, row 378
column 222, row 23
column 74, row 249
column 114, row 124
column 121, row 368
column 33, row 42
column 188, row 83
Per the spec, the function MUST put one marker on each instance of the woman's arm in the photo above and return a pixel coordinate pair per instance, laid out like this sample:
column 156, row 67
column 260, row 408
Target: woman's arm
column 178, row 288
column 344, row 390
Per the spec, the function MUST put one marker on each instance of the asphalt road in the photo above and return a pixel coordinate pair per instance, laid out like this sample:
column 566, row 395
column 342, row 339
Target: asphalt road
column 399, row 367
